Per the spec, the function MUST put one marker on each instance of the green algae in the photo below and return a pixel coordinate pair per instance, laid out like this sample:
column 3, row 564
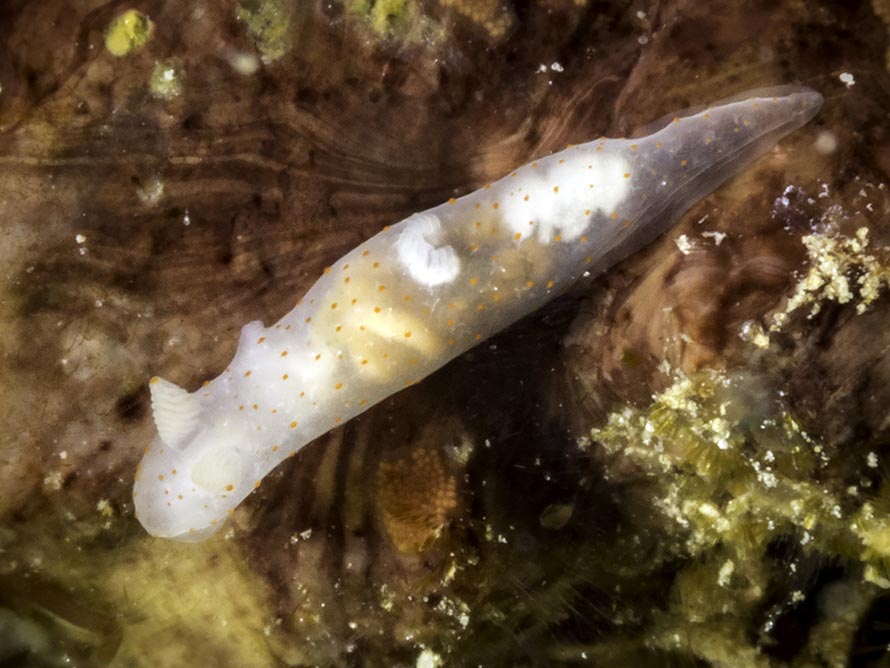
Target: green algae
column 270, row 24
column 733, row 474
column 128, row 33
column 842, row 269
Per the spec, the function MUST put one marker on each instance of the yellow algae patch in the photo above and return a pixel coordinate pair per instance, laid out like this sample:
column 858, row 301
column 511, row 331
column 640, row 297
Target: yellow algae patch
column 834, row 262
column 732, row 486
column 175, row 604
column 128, row 33
column 187, row 605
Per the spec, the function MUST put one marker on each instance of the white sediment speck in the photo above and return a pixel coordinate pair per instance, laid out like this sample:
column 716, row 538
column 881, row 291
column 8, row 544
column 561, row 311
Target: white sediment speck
column 718, row 237
column 753, row 332
column 104, row 507
column 684, row 244
column 79, row 238
column 709, row 510
column 768, row 479
column 872, row 460
column 725, row 574
column 847, row 79
column 166, row 74
column 557, row 67
column 428, row 659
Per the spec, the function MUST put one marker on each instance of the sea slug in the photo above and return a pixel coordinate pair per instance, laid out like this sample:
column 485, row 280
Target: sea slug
column 423, row 291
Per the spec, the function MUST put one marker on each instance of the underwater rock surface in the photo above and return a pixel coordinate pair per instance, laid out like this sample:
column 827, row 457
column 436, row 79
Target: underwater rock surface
column 682, row 462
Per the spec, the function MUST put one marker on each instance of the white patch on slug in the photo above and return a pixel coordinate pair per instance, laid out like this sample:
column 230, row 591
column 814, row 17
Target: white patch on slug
column 559, row 200
column 427, row 264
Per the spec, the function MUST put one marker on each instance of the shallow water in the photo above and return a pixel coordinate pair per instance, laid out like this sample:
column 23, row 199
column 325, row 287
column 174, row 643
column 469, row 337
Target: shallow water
column 660, row 468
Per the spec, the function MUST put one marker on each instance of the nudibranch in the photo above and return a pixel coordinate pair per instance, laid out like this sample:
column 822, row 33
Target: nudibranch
column 427, row 289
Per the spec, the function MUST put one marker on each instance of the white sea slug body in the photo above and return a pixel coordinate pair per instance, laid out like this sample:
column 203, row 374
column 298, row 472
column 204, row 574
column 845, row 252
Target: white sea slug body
column 423, row 291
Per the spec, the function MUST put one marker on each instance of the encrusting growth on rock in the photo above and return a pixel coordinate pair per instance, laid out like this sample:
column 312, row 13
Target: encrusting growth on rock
column 414, row 495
